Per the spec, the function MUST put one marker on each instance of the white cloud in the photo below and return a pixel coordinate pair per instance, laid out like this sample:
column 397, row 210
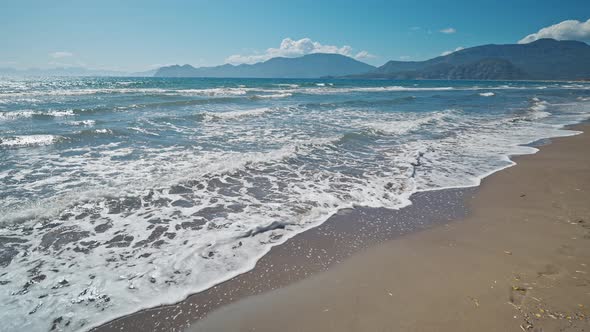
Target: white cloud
column 364, row 55
column 405, row 57
column 448, row 31
column 566, row 30
column 453, row 51
column 60, row 54
column 159, row 65
column 290, row 48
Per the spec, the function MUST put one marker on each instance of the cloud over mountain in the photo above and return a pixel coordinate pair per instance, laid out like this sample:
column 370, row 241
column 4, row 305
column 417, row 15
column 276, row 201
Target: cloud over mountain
column 290, row 48
column 455, row 50
column 566, row 30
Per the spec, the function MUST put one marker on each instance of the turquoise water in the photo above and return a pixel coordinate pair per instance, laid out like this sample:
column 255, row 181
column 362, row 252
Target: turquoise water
column 123, row 193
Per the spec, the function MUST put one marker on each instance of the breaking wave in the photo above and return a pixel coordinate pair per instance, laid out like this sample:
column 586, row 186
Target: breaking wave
column 28, row 140
column 227, row 115
column 487, row 94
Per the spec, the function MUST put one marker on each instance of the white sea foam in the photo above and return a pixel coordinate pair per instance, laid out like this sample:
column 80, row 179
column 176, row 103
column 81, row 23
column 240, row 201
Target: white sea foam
column 81, row 92
column 214, row 92
column 64, row 92
column 287, row 90
column 538, row 109
column 12, row 100
column 27, row 140
column 273, row 96
column 144, row 131
column 320, row 88
column 539, row 105
column 228, row 260
column 332, row 90
column 237, row 114
column 400, row 127
column 23, row 114
column 539, row 115
column 59, row 113
column 84, row 123
column 15, row 115
column 487, row 94
column 323, row 89
column 576, row 86
column 103, row 131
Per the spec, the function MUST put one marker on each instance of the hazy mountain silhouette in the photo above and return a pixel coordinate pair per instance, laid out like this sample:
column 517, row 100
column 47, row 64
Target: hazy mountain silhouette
column 308, row 66
column 542, row 59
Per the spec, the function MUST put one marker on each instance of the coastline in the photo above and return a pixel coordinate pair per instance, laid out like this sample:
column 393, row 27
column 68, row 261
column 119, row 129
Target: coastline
column 303, row 255
column 518, row 261
column 288, row 265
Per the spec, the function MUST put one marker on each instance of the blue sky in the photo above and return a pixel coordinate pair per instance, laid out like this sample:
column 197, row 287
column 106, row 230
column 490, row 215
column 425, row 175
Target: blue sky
column 139, row 35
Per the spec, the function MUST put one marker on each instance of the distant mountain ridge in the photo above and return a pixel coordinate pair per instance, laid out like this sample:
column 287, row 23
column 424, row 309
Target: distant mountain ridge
column 308, row 66
column 544, row 59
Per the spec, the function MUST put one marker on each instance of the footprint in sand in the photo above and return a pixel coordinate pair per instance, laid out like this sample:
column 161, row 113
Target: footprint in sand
column 548, row 270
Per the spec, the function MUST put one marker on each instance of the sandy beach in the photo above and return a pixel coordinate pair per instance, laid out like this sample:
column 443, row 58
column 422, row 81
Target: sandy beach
column 512, row 254
column 519, row 261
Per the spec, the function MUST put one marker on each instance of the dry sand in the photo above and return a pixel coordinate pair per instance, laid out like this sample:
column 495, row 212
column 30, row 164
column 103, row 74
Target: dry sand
column 519, row 261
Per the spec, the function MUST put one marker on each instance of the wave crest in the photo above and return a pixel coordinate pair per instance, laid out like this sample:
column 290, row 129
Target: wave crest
column 28, row 140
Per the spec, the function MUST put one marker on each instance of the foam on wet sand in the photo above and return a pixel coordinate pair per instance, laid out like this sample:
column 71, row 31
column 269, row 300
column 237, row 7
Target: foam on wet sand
column 509, row 255
column 518, row 261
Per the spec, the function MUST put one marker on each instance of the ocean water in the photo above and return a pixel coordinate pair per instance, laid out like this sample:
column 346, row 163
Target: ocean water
column 118, row 194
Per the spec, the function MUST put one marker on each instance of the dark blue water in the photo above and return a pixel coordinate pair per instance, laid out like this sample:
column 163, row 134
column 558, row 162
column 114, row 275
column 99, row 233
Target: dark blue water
column 123, row 193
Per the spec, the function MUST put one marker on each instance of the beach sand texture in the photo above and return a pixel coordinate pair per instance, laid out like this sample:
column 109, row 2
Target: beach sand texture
column 519, row 261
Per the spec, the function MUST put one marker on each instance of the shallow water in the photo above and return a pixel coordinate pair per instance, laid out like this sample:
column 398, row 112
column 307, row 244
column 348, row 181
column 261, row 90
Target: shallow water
column 124, row 193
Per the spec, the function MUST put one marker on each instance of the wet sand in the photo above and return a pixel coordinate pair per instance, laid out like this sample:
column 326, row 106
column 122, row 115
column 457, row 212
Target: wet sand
column 306, row 254
column 510, row 255
column 519, row 261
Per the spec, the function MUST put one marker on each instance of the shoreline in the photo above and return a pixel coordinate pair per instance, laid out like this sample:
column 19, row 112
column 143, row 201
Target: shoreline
column 286, row 264
column 518, row 261
column 331, row 242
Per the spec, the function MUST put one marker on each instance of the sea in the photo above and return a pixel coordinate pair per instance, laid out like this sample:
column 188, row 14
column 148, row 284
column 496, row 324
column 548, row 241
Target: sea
column 118, row 194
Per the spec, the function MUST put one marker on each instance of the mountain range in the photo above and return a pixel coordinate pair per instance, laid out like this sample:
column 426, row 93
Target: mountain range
column 308, row 66
column 543, row 59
